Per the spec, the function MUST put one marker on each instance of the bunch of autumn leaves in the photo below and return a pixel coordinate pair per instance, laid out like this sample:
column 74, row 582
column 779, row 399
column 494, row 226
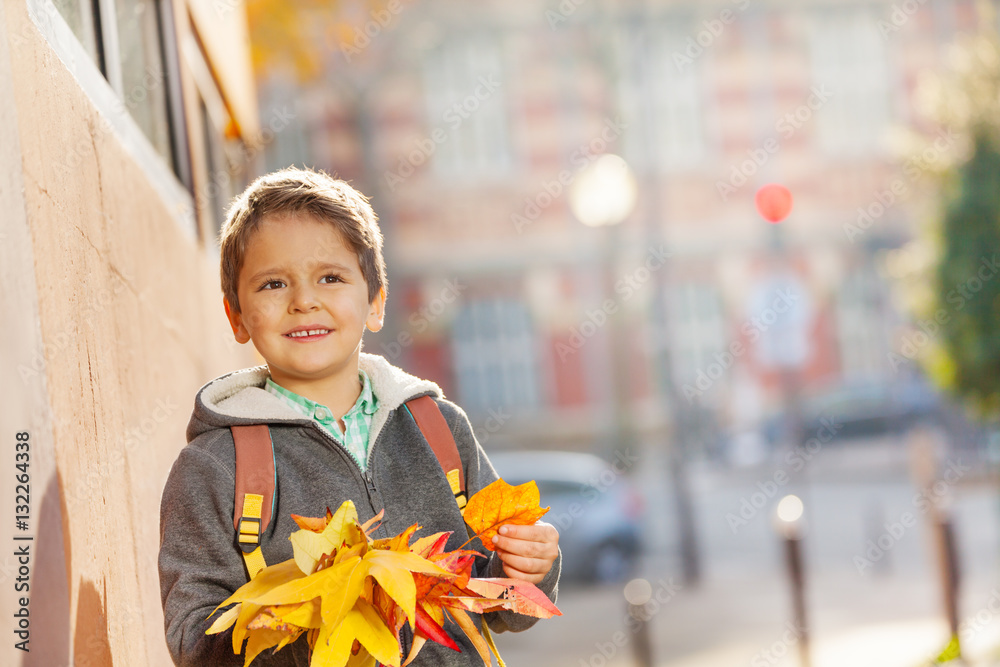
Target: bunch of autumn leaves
column 353, row 594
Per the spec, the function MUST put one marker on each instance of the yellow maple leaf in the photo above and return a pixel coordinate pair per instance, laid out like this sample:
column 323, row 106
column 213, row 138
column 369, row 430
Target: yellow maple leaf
column 310, row 546
column 333, row 646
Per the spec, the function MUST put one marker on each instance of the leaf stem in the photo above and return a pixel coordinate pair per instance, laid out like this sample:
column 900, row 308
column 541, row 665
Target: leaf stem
column 474, row 536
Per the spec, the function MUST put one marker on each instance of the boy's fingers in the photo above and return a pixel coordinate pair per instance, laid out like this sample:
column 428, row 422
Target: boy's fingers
column 539, row 532
column 524, row 563
column 515, row 573
column 521, row 547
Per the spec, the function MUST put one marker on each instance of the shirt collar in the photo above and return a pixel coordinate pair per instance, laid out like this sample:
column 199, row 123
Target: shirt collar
column 367, row 402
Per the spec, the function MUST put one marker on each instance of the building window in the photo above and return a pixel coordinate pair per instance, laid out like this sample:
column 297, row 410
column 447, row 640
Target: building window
column 143, row 71
column 661, row 97
column 861, row 325
column 127, row 40
column 697, row 328
column 81, row 19
column 494, row 352
column 465, row 94
column 849, row 69
column 227, row 157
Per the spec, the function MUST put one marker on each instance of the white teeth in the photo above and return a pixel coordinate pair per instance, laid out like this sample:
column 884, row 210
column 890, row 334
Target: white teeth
column 312, row 332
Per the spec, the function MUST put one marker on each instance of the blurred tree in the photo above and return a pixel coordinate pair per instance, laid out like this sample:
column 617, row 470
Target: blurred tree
column 966, row 281
column 298, row 37
column 949, row 279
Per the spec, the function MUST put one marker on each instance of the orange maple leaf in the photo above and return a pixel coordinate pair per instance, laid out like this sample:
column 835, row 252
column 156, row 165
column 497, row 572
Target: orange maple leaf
column 502, row 504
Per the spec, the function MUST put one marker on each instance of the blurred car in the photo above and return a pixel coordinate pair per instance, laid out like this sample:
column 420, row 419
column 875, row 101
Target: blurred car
column 595, row 507
column 874, row 408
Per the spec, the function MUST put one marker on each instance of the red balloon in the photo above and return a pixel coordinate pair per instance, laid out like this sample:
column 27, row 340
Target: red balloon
column 774, row 202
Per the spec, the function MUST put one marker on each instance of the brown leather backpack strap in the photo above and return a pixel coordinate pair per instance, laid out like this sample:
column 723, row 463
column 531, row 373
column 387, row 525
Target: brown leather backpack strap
column 254, row 495
column 254, row 469
column 431, row 423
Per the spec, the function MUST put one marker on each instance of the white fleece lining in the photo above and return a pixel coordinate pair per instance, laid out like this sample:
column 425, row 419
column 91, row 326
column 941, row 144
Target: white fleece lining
column 240, row 395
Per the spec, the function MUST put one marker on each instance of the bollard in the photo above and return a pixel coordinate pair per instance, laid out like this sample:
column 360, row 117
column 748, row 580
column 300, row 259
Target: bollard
column 638, row 593
column 789, row 516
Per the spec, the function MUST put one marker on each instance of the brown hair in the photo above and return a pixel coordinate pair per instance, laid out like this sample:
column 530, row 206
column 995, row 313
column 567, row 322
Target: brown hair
column 294, row 190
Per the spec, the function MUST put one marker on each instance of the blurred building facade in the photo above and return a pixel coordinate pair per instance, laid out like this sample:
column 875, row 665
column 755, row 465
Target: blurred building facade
column 469, row 128
column 124, row 124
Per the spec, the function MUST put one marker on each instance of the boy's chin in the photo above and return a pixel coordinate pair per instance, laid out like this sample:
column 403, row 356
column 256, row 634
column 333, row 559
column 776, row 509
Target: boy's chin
column 316, row 373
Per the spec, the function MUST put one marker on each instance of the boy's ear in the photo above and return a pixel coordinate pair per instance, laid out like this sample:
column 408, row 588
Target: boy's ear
column 236, row 322
column 376, row 312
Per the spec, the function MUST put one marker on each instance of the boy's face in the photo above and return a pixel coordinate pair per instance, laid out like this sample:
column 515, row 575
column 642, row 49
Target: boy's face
column 304, row 301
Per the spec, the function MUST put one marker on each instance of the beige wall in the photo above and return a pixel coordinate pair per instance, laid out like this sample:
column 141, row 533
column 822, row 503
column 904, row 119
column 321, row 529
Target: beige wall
column 112, row 319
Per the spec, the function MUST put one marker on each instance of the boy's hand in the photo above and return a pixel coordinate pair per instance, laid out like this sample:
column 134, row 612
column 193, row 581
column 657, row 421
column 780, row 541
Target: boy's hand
column 527, row 552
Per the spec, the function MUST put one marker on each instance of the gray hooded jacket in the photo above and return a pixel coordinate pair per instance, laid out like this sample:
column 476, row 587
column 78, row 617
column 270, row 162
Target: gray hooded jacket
column 199, row 562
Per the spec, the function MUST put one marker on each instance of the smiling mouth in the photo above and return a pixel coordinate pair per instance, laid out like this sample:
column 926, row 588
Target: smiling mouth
column 307, row 334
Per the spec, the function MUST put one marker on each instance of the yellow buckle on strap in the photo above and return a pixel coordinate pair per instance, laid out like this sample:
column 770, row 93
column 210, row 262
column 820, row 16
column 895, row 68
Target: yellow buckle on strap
column 454, row 481
column 249, row 535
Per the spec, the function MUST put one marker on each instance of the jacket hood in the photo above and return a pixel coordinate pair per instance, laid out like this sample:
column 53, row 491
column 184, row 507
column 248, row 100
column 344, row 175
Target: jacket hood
column 239, row 398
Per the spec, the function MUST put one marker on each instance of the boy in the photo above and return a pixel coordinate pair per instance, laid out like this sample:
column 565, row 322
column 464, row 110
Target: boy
column 303, row 276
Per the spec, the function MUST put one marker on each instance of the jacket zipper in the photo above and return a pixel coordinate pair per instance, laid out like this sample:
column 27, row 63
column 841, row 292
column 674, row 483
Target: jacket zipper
column 366, row 473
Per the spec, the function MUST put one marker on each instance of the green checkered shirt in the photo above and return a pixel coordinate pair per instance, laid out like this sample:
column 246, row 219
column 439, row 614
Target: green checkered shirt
column 358, row 421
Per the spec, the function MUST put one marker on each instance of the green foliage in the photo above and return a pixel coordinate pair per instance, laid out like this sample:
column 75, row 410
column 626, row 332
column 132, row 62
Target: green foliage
column 967, row 280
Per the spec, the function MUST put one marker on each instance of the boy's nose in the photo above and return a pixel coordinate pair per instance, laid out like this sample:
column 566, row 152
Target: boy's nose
column 303, row 298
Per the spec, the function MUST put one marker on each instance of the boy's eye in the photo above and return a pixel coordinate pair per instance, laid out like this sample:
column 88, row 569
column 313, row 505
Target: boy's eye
column 332, row 278
column 272, row 284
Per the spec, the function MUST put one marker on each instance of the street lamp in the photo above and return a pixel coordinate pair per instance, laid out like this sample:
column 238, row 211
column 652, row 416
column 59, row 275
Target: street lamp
column 604, row 193
column 788, row 523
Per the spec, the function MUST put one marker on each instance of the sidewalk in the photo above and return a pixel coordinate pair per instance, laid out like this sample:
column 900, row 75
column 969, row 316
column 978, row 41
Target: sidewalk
column 744, row 623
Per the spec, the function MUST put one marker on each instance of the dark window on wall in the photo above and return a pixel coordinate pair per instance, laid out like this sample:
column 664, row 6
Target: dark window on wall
column 131, row 42
column 215, row 159
column 228, row 169
column 862, row 329
column 696, row 322
column 81, row 16
column 465, row 87
column 143, row 71
column 661, row 96
column 494, row 353
column 851, row 79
